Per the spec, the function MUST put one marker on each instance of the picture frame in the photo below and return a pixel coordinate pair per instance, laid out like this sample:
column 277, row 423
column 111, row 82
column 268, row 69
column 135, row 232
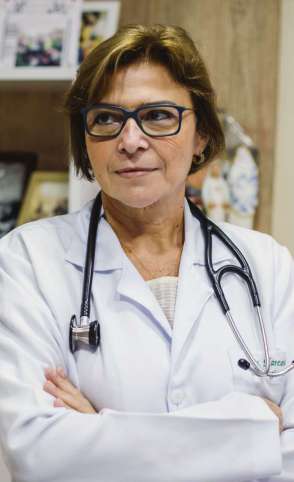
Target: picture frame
column 39, row 37
column 15, row 170
column 98, row 21
column 46, row 196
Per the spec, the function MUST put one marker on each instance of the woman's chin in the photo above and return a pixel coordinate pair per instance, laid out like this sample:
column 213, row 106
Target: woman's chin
column 138, row 201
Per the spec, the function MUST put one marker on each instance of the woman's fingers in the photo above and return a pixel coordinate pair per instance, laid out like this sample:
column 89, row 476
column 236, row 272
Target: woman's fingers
column 59, row 379
column 277, row 411
column 59, row 403
column 66, row 394
column 68, row 399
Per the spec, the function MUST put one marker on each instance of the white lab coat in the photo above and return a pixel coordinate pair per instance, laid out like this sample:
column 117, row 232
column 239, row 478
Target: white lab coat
column 174, row 405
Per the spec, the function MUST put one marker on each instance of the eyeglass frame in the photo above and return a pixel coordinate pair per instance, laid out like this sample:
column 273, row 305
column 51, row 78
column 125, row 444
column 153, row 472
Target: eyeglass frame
column 133, row 114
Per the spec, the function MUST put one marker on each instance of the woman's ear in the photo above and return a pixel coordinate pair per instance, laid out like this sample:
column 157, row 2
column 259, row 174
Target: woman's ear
column 201, row 142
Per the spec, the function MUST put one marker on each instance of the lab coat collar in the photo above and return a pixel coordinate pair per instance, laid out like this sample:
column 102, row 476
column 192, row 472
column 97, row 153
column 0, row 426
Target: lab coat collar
column 194, row 247
column 110, row 256
column 194, row 288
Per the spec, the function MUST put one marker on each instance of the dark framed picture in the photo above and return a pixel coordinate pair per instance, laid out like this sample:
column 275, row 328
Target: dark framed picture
column 46, row 195
column 15, row 170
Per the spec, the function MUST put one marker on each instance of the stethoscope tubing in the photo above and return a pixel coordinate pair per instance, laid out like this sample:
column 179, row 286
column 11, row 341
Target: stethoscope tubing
column 90, row 258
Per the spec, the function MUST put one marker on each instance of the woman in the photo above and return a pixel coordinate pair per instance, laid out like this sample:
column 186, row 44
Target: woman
column 163, row 397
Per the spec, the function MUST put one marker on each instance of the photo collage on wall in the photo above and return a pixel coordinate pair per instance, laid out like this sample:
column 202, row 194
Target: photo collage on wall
column 53, row 33
column 39, row 33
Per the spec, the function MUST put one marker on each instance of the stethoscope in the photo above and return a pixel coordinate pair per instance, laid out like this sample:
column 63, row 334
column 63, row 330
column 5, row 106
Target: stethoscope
column 87, row 332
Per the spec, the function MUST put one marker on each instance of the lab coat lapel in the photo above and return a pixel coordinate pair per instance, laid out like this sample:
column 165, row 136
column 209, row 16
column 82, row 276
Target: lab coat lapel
column 108, row 253
column 192, row 295
column 135, row 288
column 110, row 256
column 194, row 287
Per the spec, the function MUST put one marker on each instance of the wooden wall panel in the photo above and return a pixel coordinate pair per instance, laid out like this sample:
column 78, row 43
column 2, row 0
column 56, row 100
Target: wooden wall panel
column 239, row 42
column 31, row 120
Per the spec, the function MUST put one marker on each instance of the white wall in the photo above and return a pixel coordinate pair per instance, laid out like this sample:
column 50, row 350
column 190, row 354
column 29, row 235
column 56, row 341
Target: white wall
column 283, row 200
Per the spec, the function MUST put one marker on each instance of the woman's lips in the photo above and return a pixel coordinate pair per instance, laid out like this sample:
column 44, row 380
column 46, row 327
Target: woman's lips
column 134, row 172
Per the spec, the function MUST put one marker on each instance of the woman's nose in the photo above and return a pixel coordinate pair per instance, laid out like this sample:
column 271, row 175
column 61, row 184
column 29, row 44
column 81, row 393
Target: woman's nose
column 132, row 138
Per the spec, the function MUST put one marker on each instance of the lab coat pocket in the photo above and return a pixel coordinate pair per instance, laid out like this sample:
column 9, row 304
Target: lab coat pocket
column 265, row 387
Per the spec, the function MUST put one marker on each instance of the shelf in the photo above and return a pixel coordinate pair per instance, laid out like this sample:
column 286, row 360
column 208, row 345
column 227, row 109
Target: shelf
column 37, row 77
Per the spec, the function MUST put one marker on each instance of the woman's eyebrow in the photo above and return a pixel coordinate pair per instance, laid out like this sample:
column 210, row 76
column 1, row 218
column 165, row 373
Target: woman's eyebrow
column 143, row 104
column 158, row 102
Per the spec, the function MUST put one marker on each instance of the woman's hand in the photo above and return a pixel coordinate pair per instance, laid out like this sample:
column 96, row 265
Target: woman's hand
column 65, row 393
column 277, row 411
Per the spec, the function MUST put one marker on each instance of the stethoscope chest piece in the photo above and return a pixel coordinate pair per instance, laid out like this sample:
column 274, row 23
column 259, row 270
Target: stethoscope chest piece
column 87, row 333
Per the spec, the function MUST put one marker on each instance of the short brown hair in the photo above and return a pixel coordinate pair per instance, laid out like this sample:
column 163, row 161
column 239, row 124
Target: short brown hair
column 169, row 46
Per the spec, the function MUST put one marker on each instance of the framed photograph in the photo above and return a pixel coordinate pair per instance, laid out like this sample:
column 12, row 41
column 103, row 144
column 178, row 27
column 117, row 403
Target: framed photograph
column 47, row 195
column 39, row 34
column 43, row 45
column 15, row 169
column 99, row 20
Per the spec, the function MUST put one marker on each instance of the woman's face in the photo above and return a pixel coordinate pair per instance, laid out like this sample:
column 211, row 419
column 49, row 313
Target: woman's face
column 158, row 167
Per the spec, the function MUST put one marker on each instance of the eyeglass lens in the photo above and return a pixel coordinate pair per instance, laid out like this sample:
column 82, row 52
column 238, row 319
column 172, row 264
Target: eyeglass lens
column 156, row 121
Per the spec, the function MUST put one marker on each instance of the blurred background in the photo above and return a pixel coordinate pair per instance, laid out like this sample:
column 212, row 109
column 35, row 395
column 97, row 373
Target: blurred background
column 248, row 48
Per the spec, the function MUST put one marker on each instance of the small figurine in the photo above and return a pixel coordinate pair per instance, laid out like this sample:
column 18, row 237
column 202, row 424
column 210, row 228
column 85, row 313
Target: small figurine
column 215, row 193
column 243, row 184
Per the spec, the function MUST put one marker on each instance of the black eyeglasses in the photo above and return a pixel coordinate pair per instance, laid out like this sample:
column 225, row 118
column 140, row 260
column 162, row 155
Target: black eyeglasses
column 106, row 121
